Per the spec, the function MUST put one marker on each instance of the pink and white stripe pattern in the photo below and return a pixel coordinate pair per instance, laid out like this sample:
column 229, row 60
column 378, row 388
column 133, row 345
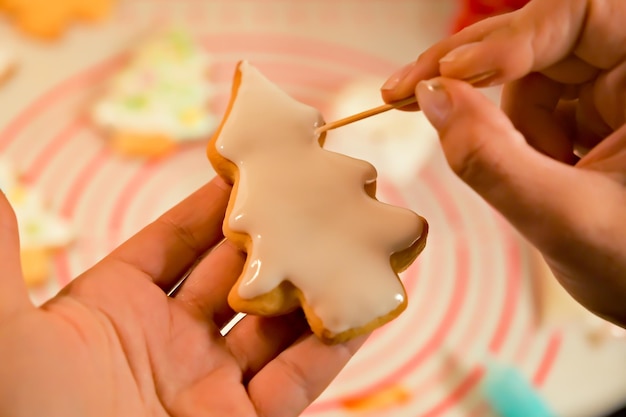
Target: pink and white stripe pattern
column 468, row 291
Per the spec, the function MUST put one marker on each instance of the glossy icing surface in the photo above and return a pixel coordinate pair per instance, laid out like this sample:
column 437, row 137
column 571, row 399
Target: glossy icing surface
column 307, row 213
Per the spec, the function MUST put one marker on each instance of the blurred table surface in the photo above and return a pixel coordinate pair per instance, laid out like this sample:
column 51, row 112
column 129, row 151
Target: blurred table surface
column 470, row 292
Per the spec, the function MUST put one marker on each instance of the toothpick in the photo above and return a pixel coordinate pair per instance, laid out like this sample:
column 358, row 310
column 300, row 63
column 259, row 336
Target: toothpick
column 386, row 107
column 364, row 114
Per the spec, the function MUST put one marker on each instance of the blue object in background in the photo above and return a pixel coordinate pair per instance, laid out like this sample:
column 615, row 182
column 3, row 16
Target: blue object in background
column 511, row 394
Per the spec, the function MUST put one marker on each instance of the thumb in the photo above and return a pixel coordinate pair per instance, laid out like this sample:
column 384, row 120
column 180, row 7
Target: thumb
column 480, row 143
column 571, row 214
column 13, row 294
column 541, row 197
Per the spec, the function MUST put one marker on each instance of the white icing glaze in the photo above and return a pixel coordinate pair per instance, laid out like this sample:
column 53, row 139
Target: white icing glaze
column 164, row 89
column 38, row 226
column 306, row 211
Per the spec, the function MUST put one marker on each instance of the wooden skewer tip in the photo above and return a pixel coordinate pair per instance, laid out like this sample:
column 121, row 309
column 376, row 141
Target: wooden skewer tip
column 364, row 114
column 385, row 107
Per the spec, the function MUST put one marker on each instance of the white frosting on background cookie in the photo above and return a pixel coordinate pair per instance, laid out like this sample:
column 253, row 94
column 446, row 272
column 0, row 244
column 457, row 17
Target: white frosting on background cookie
column 164, row 89
column 39, row 227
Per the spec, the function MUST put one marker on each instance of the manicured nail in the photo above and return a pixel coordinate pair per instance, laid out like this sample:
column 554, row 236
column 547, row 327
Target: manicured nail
column 397, row 76
column 460, row 53
column 434, row 101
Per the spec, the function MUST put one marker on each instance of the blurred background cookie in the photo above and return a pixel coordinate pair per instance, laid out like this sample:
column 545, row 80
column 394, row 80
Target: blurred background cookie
column 42, row 232
column 159, row 99
column 48, row 19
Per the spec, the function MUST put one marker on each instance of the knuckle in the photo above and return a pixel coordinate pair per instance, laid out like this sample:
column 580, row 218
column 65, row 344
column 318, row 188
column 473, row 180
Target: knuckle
column 183, row 234
column 465, row 159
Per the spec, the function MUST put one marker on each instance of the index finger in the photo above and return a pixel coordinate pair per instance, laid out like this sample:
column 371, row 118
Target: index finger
column 579, row 35
column 402, row 85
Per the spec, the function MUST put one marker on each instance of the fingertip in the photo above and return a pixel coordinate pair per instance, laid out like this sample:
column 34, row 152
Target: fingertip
column 395, row 78
column 437, row 98
column 475, row 135
column 402, row 84
column 435, row 102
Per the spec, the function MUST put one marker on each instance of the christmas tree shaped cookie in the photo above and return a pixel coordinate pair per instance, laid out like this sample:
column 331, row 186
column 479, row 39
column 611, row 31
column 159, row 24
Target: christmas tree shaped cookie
column 314, row 233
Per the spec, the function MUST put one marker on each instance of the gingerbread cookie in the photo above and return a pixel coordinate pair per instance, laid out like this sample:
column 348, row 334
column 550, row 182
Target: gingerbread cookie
column 42, row 232
column 48, row 19
column 160, row 98
column 314, row 233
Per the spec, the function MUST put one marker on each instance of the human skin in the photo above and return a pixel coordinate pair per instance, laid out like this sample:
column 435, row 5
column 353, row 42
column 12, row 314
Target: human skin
column 112, row 343
column 553, row 159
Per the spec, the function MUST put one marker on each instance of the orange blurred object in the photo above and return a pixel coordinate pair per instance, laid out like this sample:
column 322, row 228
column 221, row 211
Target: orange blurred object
column 388, row 397
column 48, row 19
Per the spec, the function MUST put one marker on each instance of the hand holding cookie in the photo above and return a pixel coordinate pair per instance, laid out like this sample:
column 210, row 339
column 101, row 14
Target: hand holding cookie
column 160, row 98
column 115, row 344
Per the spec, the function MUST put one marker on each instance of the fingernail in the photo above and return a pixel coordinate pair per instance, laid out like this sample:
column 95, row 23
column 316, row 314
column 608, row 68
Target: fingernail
column 460, row 53
column 397, row 76
column 434, row 101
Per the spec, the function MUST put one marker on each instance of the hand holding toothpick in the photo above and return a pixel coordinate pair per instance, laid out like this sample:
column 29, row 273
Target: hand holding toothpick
column 383, row 108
